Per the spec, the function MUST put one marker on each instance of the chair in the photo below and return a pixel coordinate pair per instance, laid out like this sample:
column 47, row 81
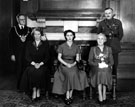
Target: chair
column 56, row 64
column 85, row 64
column 113, row 91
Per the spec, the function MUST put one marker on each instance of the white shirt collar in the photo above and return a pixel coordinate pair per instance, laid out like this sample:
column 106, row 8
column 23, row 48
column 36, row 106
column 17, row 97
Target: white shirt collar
column 20, row 26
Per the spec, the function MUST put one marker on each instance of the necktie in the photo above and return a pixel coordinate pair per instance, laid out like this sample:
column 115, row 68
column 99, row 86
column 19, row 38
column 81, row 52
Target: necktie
column 22, row 27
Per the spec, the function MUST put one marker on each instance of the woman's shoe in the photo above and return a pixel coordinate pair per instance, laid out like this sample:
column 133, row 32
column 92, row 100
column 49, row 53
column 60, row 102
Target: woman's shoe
column 33, row 99
column 38, row 98
column 100, row 102
column 67, row 101
column 71, row 99
column 105, row 101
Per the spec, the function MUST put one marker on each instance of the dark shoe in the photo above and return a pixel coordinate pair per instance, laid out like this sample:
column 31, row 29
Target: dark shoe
column 67, row 101
column 100, row 102
column 71, row 100
column 33, row 100
column 105, row 101
column 38, row 98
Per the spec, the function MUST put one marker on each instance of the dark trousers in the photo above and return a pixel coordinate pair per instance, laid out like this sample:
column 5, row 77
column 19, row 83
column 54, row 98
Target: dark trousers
column 115, row 58
column 20, row 66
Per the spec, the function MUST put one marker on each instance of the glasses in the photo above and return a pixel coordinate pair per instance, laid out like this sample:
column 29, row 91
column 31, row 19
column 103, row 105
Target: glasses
column 21, row 19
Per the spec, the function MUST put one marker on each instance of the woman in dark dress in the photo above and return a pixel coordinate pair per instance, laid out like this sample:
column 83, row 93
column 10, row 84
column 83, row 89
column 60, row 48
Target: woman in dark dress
column 66, row 79
column 101, row 61
column 37, row 56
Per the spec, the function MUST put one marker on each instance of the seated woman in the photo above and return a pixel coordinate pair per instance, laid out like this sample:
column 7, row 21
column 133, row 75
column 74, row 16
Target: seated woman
column 37, row 55
column 67, row 78
column 101, row 60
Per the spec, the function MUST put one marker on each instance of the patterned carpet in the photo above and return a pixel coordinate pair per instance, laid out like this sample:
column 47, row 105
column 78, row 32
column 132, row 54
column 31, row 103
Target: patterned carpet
column 10, row 98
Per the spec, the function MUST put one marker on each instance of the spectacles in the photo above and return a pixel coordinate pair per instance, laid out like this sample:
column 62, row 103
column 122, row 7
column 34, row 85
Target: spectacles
column 21, row 19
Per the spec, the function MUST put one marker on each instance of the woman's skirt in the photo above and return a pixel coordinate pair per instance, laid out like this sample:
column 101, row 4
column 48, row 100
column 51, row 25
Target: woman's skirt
column 101, row 76
column 66, row 79
column 33, row 77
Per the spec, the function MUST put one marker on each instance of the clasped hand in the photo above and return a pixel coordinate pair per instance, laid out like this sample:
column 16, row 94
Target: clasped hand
column 37, row 65
column 69, row 65
column 23, row 38
column 103, row 65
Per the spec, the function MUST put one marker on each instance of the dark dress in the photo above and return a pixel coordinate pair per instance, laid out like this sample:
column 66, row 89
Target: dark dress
column 68, row 78
column 33, row 77
column 100, row 75
column 17, row 48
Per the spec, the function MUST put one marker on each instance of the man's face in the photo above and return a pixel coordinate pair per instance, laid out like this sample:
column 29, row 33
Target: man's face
column 21, row 20
column 108, row 14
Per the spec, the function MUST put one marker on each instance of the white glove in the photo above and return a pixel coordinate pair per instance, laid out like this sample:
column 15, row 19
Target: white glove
column 103, row 65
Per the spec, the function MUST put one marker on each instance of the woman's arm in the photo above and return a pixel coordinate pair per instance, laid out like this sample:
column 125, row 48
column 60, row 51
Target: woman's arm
column 61, row 60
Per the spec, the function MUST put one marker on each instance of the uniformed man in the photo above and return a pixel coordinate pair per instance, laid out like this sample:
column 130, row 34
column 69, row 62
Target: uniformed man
column 113, row 30
column 18, row 36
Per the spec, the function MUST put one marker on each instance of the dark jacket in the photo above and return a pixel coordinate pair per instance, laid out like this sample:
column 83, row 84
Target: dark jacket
column 15, row 43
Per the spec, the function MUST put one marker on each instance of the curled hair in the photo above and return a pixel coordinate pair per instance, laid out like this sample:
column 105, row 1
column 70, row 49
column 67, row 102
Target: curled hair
column 36, row 29
column 66, row 31
column 103, row 35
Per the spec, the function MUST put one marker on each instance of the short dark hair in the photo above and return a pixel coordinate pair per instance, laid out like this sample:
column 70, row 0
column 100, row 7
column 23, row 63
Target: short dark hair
column 66, row 31
column 108, row 8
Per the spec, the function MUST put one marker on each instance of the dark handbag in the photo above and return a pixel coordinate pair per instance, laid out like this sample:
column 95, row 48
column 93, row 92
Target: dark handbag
column 80, row 65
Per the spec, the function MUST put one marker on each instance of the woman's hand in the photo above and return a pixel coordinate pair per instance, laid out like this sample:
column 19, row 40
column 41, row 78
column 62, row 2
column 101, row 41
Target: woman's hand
column 69, row 65
column 73, row 64
column 37, row 65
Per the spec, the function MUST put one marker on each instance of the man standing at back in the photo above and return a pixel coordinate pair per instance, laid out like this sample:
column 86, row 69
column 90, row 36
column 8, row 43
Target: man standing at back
column 18, row 36
column 113, row 30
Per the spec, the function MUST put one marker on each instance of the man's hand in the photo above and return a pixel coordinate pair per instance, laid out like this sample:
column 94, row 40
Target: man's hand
column 43, row 38
column 23, row 38
column 13, row 58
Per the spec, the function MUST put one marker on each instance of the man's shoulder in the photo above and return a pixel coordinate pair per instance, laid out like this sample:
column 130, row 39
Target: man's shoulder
column 108, row 47
column 103, row 21
column 116, row 20
column 12, row 29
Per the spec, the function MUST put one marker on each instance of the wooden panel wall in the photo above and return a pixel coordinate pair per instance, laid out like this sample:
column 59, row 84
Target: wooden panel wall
column 5, row 24
column 8, row 10
column 124, row 10
column 127, row 15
